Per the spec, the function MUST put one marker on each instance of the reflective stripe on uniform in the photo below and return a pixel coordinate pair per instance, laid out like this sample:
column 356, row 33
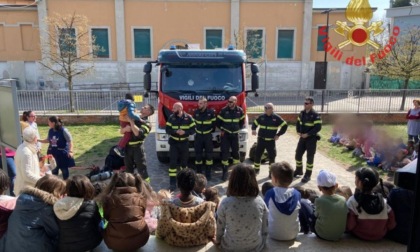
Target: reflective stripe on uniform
column 209, row 162
column 225, row 162
column 228, row 131
column 179, row 138
column 229, row 120
column 172, row 172
column 198, row 162
column 236, row 161
column 203, row 132
column 136, row 142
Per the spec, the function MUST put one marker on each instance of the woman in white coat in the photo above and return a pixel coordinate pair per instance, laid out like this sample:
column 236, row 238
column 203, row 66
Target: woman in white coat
column 26, row 160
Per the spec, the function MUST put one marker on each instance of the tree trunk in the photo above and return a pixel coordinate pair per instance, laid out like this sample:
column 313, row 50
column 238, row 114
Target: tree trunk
column 404, row 96
column 71, row 94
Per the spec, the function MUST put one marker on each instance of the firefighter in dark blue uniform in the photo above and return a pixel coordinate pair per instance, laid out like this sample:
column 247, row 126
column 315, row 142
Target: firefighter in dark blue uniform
column 271, row 127
column 179, row 127
column 135, row 156
column 307, row 126
column 205, row 123
column 230, row 121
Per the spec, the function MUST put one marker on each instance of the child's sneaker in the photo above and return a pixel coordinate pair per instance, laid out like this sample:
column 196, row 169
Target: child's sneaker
column 120, row 151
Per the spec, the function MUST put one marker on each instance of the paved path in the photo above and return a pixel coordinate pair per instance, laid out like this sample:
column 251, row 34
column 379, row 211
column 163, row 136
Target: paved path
column 286, row 146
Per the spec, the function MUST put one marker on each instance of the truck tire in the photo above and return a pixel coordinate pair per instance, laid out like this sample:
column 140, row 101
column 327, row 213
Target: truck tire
column 162, row 157
column 242, row 156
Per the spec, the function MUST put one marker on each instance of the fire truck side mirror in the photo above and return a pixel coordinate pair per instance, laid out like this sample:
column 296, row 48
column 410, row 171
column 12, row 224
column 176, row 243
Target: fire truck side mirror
column 255, row 80
column 147, row 79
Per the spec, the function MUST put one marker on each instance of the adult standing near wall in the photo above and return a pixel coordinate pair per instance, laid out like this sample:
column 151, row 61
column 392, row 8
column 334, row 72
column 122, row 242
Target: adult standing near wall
column 271, row 127
column 413, row 124
column 60, row 146
column 230, row 121
column 179, row 127
column 26, row 160
column 205, row 123
column 135, row 156
column 307, row 126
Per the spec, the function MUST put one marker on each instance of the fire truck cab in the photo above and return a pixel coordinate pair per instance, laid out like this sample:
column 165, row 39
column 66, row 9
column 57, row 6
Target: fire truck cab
column 186, row 75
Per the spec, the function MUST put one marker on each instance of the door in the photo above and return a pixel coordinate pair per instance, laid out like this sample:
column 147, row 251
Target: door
column 319, row 81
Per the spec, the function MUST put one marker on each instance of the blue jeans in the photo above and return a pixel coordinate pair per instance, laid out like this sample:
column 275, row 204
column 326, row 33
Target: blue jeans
column 11, row 170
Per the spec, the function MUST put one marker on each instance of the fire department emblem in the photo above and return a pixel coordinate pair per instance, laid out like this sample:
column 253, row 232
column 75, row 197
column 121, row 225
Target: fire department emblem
column 359, row 13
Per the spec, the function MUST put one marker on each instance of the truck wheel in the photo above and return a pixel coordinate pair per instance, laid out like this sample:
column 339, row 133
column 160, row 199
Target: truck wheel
column 162, row 157
column 242, row 156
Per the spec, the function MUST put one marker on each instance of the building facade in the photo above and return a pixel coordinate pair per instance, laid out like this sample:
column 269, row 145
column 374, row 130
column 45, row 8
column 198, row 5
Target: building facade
column 285, row 35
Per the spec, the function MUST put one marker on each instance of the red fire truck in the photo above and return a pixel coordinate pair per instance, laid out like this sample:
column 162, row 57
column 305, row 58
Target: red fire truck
column 186, row 75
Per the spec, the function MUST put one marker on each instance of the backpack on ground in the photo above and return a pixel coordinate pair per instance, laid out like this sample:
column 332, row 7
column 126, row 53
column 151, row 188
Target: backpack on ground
column 264, row 157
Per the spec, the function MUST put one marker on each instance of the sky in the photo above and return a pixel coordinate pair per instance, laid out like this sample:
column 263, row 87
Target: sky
column 380, row 4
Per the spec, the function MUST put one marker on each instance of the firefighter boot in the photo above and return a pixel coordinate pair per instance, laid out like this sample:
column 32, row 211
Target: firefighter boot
column 172, row 183
column 224, row 173
column 306, row 177
column 208, row 173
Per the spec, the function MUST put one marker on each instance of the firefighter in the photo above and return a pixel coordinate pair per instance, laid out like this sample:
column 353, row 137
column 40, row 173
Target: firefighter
column 134, row 150
column 230, row 120
column 179, row 126
column 307, row 126
column 205, row 123
column 271, row 127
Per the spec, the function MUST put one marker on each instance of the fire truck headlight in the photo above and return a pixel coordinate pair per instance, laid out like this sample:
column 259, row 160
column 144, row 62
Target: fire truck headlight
column 162, row 137
column 243, row 137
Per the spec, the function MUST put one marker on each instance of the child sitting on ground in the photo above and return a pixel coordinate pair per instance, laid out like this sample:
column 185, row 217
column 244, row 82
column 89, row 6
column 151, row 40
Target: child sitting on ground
column 200, row 186
column 78, row 216
column 212, row 194
column 330, row 215
column 46, row 164
column 126, row 107
column 283, row 204
column 344, row 191
column 370, row 217
column 242, row 215
column 124, row 203
column 186, row 180
column 7, row 203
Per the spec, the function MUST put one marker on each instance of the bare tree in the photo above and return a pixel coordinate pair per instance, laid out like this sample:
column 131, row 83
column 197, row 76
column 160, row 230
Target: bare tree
column 402, row 61
column 69, row 49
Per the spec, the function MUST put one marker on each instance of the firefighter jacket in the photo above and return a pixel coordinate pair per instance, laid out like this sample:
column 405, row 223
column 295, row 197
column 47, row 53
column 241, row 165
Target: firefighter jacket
column 184, row 122
column 205, row 121
column 231, row 120
column 144, row 130
column 308, row 122
column 270, row 126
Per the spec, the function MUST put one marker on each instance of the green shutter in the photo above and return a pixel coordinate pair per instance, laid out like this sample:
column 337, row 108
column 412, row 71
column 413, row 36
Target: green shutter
column 285, row 44
column 320, row 44
column 142, row 46
column 101, row 41
column 67, row 42
column 213, row 39
column 254, row 43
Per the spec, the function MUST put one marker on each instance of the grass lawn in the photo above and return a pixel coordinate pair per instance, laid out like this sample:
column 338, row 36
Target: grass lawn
column 91, row 142
column 341, row 155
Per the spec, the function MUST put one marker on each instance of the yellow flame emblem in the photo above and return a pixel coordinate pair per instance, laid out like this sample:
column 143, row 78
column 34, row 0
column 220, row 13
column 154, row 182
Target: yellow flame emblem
column 359, row 13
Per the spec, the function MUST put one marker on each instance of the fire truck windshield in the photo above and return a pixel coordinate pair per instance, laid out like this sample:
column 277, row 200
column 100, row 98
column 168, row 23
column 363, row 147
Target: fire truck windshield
column 202, row 78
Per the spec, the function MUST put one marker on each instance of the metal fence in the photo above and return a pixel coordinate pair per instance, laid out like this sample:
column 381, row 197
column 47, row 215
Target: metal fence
column 327, row 101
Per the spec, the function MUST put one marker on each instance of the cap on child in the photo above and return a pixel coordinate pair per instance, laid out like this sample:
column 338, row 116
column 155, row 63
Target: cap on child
column 326, row 179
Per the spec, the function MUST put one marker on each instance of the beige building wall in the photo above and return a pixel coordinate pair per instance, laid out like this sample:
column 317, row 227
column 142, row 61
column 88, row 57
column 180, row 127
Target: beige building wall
column 334, row 38
column 19, row 36
column 270, row 17
column 171, row 21
column 101, row 13
column 180, row 22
